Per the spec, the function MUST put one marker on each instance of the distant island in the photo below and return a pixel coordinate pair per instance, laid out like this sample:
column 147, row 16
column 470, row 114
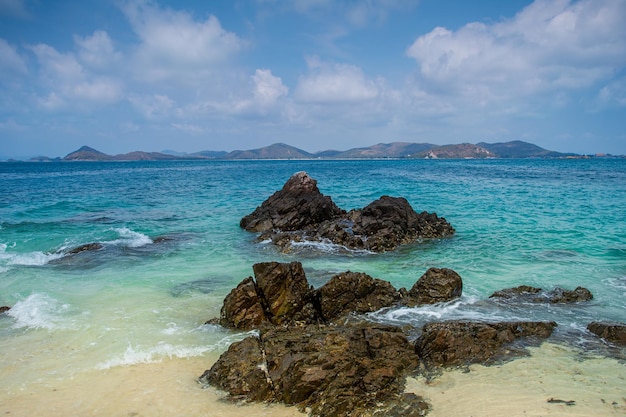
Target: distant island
column 394, row 150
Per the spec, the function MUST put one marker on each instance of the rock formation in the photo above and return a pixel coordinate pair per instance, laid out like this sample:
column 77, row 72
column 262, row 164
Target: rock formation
column 463, row 342
column 299, row 212
column 280, row 294
column 314, row 352
column 333, row 370
column 611, row 332
column 525, row 293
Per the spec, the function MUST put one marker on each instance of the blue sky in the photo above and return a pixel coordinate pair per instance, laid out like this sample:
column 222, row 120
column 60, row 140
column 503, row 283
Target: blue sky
column 125, row 75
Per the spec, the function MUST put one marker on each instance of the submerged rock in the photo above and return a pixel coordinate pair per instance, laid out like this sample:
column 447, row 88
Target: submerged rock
column 332, row 370
column 611, row 332
column 84, row 248
column 299, row 212
column 558, row 295
column 455, row 343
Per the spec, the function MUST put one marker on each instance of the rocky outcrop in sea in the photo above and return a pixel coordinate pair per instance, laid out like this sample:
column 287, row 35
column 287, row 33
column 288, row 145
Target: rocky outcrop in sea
column 300, row 212
column 316, row 350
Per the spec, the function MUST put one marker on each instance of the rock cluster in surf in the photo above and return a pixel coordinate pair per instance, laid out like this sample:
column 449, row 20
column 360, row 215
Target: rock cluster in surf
column 315, row 350
column 300, row 212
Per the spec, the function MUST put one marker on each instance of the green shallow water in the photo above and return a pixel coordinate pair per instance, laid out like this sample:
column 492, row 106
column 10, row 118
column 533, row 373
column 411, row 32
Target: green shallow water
column 172, row 248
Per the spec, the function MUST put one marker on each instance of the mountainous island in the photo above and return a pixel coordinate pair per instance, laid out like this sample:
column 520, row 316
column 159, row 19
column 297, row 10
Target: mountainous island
column 396, row 150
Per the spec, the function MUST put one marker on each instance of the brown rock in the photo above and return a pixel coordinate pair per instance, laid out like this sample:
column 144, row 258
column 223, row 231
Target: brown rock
column 612, row 332
column 298, row 205
column 454, row 343
column 284, row 290
column 334, row 370
column 4, row 309
column 299, row 212
column 240, row 372
column 354, row 292
column 435, row 286
column 84, row 248
column 242, row 308
column 525, row 293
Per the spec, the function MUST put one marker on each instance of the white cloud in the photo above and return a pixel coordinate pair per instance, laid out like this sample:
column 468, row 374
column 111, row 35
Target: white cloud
column 97, row 50
column 153, row 106
column 188, row 128
column 267, row 88
column 335, row 83
column 174, row 45
column 548, row 46
column 68, row 81
column 10, row 60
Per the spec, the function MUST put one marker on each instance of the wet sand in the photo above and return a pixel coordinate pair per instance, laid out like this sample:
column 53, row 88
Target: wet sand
column 523, row 387
column 553, row 381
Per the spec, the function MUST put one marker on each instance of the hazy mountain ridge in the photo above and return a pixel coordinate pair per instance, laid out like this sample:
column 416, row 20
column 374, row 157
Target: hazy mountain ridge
column 512, row 149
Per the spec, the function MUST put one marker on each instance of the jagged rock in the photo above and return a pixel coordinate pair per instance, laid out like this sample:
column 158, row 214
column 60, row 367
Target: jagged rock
column 611, row 332
column 284, row 291
column 558, row 295
column 435, row 286
column 242, row 307
column 333, row 370
column 298, row 205
column 391, row 221
column 299, row 212
column 356, row 292
column 241, row 372
column 454, row 343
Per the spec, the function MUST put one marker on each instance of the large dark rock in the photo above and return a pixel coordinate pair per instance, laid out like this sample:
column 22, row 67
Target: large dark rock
column 284, row 291
column 299, row 212
column 391, row 221
column 298, row 205
column 4, row 309
column 356, row 370
column 525, row 293
column 242, row 308
column 435, row 286
column 355, row 292
column 280, row 295
column 611, row 332
column 455, row 343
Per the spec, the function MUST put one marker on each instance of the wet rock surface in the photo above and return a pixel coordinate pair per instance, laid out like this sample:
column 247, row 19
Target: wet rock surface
column 435, row 286
column 525, row 293
column 611, row 332
column 314, row 351
column 456, row 343
column 356, row 370
column 279, row 294
column 299, row 212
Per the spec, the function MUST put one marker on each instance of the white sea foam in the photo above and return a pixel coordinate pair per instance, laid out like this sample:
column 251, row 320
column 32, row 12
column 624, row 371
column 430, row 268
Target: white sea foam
column 36, row 258
column 326, row 246
column 130, row 238
column 40, row 311
column 136, row 355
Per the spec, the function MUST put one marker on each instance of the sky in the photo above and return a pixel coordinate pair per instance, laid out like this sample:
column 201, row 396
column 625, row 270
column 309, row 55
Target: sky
column 194, row 75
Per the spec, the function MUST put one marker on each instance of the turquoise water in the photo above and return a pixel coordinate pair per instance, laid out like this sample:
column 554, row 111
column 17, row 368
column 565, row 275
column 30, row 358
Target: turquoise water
column 172, row 248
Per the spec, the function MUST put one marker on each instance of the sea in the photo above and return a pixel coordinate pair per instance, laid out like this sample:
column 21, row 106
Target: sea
column 120, row 330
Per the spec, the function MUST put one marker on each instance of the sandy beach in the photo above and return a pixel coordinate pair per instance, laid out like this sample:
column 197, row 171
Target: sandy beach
column 550, row 382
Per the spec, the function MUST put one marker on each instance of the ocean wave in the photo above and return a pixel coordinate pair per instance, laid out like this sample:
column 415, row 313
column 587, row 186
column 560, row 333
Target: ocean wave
column 36, row 258
column 40, row 311
column 154, row 354
column 129, row 238
column 466, row 308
